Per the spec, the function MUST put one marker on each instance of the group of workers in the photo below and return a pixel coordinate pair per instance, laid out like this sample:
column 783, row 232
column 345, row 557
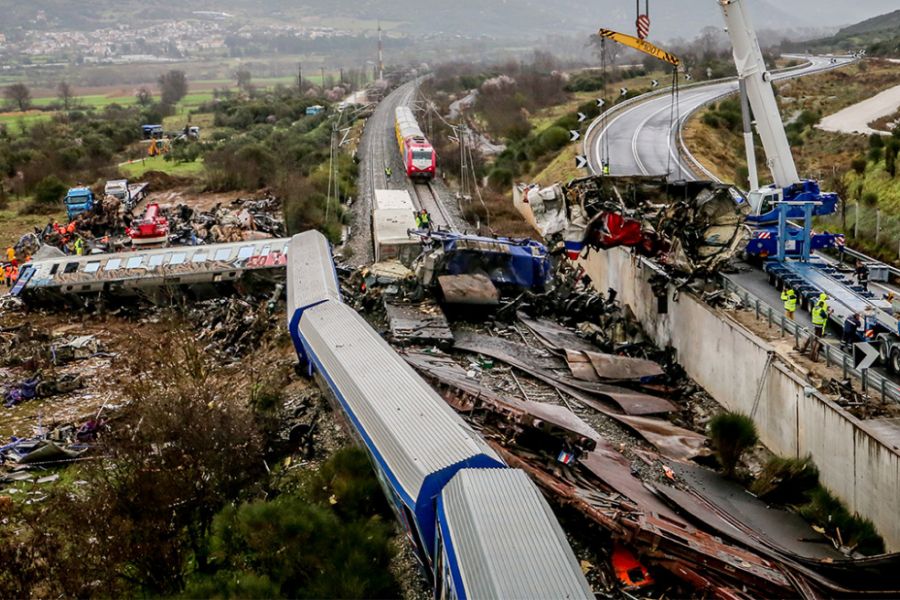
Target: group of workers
column 64, row 236
column 821, row 311
column 423, row 219
column 11, row 267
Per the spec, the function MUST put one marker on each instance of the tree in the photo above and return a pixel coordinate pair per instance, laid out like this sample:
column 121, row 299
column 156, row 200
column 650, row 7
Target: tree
column 244, row 78
column 173, row 86
column 732, row 434
column 18, row 94
column 144, row 96
column 66, row 93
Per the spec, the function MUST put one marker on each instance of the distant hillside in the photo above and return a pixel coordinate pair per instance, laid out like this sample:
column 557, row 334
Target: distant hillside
column 879, row 36
column 505, row 18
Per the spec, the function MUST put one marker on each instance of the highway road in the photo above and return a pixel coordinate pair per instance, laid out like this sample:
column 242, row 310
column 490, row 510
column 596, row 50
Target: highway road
column 642, row 139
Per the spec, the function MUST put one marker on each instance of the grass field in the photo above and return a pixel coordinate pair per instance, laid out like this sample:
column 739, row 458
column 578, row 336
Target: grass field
column 158, row 163
column 13, row 225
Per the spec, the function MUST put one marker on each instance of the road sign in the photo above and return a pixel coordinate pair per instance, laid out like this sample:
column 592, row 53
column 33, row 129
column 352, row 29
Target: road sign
column 688, row 76
column 600, row 102
column 654, row 83
column 864, row 355
column 581, row 161
column 623, row 91
column 575, row 135
column 643, row 26
column 581, row 117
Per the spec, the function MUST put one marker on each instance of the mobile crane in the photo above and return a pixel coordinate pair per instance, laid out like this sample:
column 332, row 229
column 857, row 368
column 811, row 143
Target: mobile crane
column 790, row 197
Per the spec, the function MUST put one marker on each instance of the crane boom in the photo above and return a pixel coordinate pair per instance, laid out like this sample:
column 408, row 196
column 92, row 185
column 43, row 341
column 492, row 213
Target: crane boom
column 752, row 70
column 639, row 45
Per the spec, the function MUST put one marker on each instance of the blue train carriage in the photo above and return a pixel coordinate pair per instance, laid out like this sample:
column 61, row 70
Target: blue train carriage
column 416, row 441
column 499, row 539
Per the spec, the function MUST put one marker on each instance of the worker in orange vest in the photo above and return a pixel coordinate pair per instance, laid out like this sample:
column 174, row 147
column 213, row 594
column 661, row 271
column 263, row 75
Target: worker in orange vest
column 7, row 275
column 71, row 228
column 15, row 275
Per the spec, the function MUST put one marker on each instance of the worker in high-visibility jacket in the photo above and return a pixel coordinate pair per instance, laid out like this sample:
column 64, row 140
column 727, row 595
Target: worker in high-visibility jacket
column 79, row 246
column 7, row 274
column 789, row 297
column 820, row 314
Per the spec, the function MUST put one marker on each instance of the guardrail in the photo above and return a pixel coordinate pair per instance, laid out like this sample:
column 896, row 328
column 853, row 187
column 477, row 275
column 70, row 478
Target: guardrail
column 869, row 379
column 615, row 108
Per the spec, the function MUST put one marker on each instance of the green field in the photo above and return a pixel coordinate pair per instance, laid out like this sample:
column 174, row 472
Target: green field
column 13, row 121
column 158, row 163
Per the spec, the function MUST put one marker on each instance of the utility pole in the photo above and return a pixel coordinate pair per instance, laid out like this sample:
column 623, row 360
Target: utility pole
column 322, row 70
column 300, row 77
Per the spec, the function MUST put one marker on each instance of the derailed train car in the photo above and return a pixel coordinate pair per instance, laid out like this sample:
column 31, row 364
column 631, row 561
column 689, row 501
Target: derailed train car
column 479, row 529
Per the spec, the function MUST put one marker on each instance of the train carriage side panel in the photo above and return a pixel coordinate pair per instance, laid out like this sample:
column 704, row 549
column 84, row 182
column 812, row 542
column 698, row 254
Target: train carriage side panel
column 416, row 439
column 480, row 512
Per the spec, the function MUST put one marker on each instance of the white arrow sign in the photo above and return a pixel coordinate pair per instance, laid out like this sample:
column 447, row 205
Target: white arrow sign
column 581, row 117
column 575, row 135
column 581, row 161
column 600, row 102
column 865, row 356
column 688, row 76
column 623, row 91
column 654, row 83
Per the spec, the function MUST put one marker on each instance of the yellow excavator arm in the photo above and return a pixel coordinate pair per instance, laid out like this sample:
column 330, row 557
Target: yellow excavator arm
column 640, row 45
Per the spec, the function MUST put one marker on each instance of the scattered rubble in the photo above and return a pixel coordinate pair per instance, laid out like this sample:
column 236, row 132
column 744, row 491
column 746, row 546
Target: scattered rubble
column 691, row 228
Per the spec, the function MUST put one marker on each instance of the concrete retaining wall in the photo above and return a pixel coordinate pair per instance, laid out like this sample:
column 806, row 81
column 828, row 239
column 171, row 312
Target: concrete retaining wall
column 731, row 363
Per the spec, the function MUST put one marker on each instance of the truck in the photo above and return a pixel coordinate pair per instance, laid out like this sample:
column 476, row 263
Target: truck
column 393, row 215
column 794, row 265
column 129, row 193
column 78, row 200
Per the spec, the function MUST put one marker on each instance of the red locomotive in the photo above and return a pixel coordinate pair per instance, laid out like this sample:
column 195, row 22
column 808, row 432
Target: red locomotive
column 418, row 156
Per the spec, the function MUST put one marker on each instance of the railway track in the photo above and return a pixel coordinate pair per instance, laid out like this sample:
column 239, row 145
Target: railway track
column 428, row 199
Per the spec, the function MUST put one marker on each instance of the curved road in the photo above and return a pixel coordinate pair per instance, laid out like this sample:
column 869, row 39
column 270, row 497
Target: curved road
column 642, row 139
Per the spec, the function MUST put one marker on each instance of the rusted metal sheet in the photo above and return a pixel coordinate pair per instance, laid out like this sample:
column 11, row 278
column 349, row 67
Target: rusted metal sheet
column 423, row 323
column 554, row 336
column 471, row 397
column 727, row 571
column 630, row 401
column 596, row 366
column 671, row 440
column 468, row 289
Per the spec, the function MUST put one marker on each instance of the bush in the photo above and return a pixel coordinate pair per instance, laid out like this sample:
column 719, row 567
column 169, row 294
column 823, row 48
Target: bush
column 553, row 138
column 870, row 199
column 327, row 539
column 732, row 434
column 786, row 480
column 50, row 191
column 500, row 178
column 875, row 153
column 830, row 513
column 858, row 165
column 875, row 141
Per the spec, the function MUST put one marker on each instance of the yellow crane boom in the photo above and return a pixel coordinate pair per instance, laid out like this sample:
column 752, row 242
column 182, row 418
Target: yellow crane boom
column 640, row 45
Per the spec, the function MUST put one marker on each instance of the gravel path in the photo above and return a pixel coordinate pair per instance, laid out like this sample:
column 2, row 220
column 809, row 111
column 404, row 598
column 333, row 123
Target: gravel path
column 856, row 118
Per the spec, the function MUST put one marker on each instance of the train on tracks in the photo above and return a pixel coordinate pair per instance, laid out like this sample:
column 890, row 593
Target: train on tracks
column 479, row 528
column 416, row 152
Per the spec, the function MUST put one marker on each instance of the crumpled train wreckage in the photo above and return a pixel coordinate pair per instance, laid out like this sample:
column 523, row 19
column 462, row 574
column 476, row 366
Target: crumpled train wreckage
column 690, row 227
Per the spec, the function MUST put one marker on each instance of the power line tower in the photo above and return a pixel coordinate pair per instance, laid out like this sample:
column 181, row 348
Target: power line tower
column 380, row 54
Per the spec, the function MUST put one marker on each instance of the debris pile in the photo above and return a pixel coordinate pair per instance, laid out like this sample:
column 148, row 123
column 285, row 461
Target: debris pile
column 242, row 220
column 691, row 228
column 232, row 326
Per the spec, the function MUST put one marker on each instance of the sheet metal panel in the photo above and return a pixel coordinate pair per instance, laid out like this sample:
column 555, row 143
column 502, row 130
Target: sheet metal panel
column 507, row 541
column 311, row 277
column 412, row 428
